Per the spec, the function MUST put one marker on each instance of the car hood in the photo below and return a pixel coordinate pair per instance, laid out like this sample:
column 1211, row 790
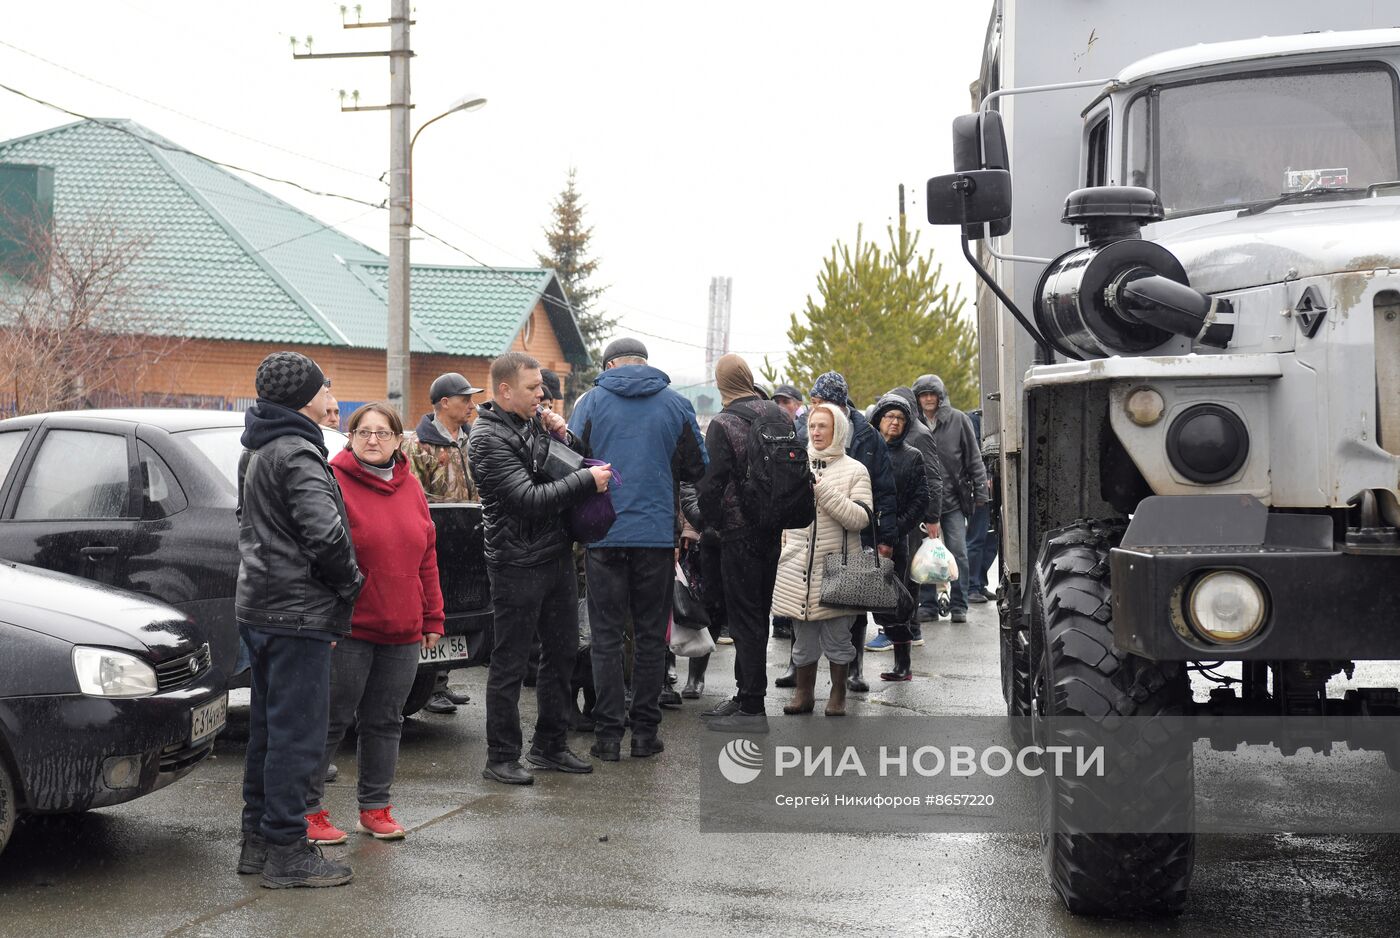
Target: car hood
column 85, row 613
column 1290, row 243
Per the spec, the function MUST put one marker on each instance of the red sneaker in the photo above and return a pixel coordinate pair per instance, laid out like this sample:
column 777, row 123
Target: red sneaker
column 380, row 824
column 320, row 830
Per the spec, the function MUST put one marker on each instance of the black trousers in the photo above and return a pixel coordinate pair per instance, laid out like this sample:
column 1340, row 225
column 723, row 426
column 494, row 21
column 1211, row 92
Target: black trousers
column 542, row 599
column 903, row 559
column 635, row 583
column 749, row 567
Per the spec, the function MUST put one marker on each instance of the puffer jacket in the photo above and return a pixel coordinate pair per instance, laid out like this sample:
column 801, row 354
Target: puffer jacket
column 910, row 480
column 964, row 473
column 523, row 512
column 843, row 495
column 921, row 438
column 297, row 570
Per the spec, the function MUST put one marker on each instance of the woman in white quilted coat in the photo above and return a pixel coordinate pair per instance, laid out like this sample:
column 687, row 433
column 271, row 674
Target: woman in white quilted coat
column 842, row 492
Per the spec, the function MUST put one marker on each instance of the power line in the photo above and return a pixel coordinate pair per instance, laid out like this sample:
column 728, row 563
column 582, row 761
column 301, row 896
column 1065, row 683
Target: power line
column 176, row 111
column 510, row 276
column 173, row 148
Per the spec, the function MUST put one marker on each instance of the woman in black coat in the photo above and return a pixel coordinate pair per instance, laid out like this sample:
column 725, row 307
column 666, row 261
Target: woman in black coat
column 892, row 418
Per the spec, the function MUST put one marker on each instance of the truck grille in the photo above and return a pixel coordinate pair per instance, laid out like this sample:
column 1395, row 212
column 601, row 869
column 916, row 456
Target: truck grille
column 178, row 672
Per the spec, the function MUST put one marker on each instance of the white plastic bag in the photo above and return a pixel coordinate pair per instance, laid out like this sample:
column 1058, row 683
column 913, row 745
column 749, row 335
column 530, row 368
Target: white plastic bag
column 933, row 563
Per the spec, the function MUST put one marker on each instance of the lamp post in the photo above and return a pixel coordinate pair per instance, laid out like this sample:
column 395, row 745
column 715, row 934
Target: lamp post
column 398, row 356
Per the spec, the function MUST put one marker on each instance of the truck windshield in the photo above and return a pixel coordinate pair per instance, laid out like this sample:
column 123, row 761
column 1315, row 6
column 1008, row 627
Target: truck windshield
column 1238, row 141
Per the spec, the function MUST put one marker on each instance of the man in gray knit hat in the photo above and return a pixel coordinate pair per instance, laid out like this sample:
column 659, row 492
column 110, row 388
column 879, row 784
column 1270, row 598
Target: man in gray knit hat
column 297, row 584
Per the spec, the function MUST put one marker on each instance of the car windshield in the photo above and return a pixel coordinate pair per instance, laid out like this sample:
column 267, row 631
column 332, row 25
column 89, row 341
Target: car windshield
column 223, row 445
column 1238, row 141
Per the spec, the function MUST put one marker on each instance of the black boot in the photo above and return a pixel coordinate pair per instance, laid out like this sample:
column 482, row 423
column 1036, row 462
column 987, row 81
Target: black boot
column 789, row 677
column 855, row 676
column 252, row 855
column 903, row 667
column 670, row 669
column 695, row 678
column 301, row 864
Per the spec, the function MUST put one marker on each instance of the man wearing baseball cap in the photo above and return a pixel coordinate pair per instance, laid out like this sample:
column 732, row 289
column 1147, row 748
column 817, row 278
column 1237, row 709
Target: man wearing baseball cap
column 437, row 455
column 297, row 584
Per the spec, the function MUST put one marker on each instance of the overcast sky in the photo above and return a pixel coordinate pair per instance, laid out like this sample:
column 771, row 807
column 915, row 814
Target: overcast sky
column 728, row 138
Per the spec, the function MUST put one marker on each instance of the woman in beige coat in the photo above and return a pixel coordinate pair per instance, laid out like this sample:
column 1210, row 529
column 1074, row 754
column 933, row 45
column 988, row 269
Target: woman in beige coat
column 842, row 493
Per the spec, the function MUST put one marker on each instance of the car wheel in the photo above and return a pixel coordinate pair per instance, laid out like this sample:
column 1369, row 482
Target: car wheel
column 8, row 808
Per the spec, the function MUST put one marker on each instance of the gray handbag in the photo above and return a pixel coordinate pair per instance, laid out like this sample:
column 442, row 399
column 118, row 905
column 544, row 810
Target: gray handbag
column 861, row 581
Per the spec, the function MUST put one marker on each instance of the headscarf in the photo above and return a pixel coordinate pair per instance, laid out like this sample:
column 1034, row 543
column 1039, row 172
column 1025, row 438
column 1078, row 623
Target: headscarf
column 840, row 433
column 734, row 378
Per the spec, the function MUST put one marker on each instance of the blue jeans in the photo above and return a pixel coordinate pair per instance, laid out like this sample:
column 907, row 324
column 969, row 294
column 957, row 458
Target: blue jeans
column 369, row 682
column 286, row 731
column 981, row 548
column 954, row 530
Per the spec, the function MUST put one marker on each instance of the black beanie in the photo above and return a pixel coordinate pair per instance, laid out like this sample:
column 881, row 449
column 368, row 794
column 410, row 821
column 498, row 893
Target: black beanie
column 290, row 379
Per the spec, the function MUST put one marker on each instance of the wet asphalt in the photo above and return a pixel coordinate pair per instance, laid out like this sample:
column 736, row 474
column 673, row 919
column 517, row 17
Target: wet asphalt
column 619, row 852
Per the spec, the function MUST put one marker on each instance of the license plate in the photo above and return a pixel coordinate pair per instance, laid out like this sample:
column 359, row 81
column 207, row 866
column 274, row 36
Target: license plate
column 448, row 648
column 208, row 719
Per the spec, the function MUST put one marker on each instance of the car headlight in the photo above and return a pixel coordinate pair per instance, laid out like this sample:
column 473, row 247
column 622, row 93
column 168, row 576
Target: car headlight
column 102, row 672
column 1226, row 606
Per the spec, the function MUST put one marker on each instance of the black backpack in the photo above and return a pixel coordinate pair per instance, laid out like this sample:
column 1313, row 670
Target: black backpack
column 775, row 493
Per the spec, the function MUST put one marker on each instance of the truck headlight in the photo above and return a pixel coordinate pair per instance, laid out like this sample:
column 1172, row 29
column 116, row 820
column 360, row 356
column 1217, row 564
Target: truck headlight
column 1226, row 606
column 102, row 672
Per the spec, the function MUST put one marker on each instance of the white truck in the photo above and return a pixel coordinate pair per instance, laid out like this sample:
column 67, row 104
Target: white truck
column 1190, row 338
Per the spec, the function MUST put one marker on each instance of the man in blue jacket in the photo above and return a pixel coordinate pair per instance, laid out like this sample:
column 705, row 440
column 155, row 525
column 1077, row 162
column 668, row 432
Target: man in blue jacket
column 632, row 419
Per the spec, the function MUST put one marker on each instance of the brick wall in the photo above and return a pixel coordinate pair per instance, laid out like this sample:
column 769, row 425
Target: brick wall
column 227, row 369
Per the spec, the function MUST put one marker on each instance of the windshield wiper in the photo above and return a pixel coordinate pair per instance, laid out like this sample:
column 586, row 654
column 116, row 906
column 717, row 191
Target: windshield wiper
column 1306, row 195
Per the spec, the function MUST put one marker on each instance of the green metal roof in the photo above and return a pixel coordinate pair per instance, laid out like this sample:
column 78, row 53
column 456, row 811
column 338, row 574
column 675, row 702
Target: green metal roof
column 222, row 259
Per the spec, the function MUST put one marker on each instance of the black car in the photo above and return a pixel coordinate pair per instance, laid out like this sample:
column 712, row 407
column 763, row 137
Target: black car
column 105, row 696
column 144, row 500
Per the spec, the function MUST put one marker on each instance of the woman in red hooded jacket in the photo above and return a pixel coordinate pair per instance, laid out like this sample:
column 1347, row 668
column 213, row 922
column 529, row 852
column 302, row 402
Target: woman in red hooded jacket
column 398, row 612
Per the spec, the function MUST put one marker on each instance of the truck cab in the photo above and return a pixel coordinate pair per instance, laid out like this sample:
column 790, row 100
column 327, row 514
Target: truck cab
column 1190, row 333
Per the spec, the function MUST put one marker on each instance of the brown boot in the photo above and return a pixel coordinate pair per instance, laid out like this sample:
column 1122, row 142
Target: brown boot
column 804, row 699
column 836, row 703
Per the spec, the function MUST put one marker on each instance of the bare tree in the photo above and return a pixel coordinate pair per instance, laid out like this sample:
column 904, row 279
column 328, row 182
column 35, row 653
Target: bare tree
column 76, row 326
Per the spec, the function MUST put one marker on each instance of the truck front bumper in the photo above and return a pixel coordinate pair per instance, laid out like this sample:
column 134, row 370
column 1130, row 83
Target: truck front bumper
column 1322, row 603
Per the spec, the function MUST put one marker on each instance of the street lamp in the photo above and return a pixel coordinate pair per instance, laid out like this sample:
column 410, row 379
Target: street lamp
column 398, row 356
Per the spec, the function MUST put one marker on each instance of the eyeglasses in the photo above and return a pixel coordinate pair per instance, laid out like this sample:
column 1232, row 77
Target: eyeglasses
column 382, row 436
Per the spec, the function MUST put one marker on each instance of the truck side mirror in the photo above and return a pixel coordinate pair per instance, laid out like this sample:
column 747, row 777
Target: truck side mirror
column 979, row 142
column 970, row 198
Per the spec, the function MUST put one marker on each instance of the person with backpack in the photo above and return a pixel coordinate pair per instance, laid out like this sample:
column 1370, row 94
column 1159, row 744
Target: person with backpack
column 634, row 420
column 758, row 483
column 841, row 492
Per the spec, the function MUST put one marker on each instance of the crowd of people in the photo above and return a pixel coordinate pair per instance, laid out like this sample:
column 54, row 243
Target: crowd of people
column 339, row 593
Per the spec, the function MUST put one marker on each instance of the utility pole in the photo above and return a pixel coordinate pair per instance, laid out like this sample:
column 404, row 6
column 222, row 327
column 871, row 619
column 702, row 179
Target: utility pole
column 398, row 358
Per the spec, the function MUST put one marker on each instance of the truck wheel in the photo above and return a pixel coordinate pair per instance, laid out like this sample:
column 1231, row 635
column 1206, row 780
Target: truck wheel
column 1016, row 672
column 1080, row 673
column 8, row 809
column 420, row 692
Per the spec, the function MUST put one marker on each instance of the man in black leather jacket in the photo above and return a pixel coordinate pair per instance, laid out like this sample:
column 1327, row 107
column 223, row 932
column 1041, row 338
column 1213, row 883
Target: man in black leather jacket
column 297, row 583
column 529, row 555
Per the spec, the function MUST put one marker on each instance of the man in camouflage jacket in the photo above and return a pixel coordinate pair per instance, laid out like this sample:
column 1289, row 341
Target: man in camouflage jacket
column 437, row 449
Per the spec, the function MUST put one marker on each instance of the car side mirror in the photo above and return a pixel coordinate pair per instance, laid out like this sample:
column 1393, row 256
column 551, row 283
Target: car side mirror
column 979, row 142
column 971, row 198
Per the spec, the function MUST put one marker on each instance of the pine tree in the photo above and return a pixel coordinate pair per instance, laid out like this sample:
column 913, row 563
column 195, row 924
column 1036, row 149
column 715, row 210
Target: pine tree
column 568, row 256
column 882, row 318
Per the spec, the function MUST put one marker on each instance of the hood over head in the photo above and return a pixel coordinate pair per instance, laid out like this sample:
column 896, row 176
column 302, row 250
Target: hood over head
column 931, row 384
column 734, row 378
column 887, row 403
